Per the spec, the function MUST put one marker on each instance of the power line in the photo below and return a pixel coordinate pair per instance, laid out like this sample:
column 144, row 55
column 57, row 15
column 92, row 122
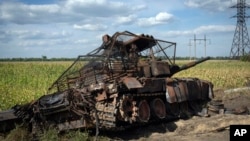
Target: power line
column 197, row 39
column 241, row 42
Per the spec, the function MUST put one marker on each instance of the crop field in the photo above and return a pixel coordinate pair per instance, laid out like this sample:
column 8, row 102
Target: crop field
column 224, row 74
column 22, row 82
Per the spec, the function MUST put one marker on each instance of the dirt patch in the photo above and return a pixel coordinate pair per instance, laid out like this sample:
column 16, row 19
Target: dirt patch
column 196, row 129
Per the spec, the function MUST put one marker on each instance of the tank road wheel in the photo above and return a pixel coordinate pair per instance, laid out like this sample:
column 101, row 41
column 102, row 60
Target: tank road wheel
column 158, row 108
column 143, row 111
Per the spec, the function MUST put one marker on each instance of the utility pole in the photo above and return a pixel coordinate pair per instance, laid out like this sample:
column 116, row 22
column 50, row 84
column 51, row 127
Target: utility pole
column 194, row 40
column 189, row 50
column 241, row 43
column 205, row 44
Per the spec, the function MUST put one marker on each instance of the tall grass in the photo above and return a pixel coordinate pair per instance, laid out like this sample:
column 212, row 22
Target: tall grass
column 223, row 74
column 22, row 134
column 22, row 82
column 18, row 134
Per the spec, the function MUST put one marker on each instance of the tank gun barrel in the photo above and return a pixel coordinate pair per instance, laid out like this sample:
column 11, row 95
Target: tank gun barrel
column 192, row 64
column 189, row 65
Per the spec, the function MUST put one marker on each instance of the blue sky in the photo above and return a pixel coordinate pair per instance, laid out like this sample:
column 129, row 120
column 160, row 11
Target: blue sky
column 68, row 28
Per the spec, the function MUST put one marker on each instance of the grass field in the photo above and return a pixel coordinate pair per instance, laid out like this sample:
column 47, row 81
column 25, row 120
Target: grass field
column 223, row 74
column 22, row 82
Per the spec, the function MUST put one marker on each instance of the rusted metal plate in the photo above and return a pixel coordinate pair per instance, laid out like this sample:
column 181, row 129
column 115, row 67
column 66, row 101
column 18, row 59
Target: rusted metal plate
column 183, row 90
column 170, row 94
column 160, row 68
column 151, row 85
column 193, row 90
column 71, row 125
column 7, row 115
column 8, row 120
column 177, row 92
column 206, row 90
column 101, row 96
column 131, row 82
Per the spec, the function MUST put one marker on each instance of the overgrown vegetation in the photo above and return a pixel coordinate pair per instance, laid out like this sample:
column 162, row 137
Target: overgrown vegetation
column 18, row 134
column 223, row 74
column 245, row 58
column 45, row 58
column 22, row 134
column 22, row 82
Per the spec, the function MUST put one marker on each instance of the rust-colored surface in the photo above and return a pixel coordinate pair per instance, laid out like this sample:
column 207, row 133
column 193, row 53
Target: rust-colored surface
column 143, row 111
column 131, row 82
column 158, row 108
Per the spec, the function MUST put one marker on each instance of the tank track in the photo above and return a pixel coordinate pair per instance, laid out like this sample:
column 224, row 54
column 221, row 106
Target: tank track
column 108, row 113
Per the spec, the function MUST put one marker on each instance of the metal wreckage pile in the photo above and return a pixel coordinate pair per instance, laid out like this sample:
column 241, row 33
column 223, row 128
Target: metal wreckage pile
column 127, row 81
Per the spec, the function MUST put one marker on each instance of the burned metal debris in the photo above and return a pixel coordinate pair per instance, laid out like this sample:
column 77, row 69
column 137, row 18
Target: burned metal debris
column 126, row 81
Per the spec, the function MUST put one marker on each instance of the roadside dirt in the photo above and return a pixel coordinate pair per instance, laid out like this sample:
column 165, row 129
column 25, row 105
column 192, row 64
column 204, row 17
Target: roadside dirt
column 213, row 128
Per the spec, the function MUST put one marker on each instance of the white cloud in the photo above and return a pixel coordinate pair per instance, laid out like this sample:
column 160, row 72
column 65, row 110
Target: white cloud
column 91, row 27
column 64, row 12
column 163, row 17
column 81, row 41
column 214, row 28
column 139, row 7
column 42, row 42
column 33, row 34
column 160, row 18
column 78, row 25
column 14, row 12
column 202, row 30
column 126, row 19
column 212, row 5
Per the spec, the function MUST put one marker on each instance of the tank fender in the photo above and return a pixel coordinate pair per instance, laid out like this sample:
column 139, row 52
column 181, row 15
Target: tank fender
column 180, row 90
column 131, row 82
column 175, row 91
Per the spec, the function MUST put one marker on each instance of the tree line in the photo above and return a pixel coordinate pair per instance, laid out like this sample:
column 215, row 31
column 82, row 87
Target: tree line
column 19, row 59
column 44, row 58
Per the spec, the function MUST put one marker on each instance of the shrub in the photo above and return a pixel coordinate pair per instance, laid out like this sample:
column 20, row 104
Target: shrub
column 245, row 58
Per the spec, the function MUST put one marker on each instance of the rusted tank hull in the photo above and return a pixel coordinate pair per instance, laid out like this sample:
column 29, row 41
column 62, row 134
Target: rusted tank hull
column 75, row 109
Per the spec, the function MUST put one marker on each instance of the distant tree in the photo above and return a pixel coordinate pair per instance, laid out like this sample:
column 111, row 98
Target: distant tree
column 245, row 58
column 44, row 58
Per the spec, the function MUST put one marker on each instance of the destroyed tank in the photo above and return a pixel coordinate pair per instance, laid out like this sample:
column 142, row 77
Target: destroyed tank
column 127, row 81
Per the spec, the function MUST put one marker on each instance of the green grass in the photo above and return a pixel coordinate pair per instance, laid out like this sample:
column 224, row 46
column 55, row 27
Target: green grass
column 22, row 82
column 18, row 134
column 223, row 74
column 22, row 134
